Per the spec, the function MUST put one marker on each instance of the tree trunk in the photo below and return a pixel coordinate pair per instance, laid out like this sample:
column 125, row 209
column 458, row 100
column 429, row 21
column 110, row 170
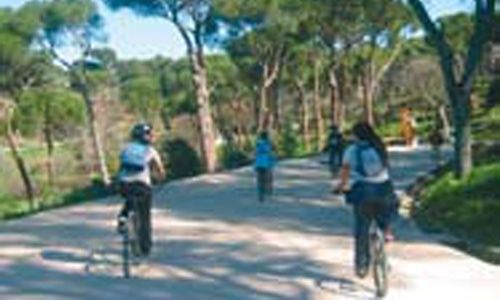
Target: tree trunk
column 368, row 95
column 368, row 106
column 459, row 89
column 264, row 114
column 205, row 118
column 462, row 142
column 444, row 122
column 304, row 114
column 269, row 75
column 21, row 165
column 262, row 107
column 278, row 106
column 334, row 96
column 94, row 132
column 49, row 141
column 194, row 44
column 320, row 129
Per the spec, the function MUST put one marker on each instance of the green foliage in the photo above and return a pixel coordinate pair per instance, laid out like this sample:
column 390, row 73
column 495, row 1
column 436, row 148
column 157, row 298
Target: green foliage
column 232, row 157
column 389, row 129
column 60, row 19
column 181, row 159
column 487, row 126
column 176, row 84
column 289, row 141
column 15, row 207
column 458, row 30
column 468, row 208
column 142, row 96
column 60, row 109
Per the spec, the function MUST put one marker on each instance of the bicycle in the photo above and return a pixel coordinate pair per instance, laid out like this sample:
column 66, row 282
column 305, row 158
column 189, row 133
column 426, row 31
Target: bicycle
column 334, row 163
column 264, row 183
column 132, row 236
column 379, row 264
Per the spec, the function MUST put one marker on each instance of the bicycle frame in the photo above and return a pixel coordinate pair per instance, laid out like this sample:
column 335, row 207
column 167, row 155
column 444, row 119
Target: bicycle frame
column 130, row 241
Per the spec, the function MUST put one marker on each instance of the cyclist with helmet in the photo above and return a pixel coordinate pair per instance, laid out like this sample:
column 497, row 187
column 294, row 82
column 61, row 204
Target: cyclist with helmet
column 134, row 177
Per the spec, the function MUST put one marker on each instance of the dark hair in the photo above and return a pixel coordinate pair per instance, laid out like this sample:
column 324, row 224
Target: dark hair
column 365, row 132
column 264, row 135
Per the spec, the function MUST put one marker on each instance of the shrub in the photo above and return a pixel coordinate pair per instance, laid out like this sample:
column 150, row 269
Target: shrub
column 181, row 159
column 288, row 142
column 231, row 157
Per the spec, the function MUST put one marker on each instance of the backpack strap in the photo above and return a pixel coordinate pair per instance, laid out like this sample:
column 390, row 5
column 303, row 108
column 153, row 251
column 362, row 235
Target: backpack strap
column 360, row 167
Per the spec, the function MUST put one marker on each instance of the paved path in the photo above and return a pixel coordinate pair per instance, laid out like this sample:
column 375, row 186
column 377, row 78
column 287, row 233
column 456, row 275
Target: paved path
column 214, row 241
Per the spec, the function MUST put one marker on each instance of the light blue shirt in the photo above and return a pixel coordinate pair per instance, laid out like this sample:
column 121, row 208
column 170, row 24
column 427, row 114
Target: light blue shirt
column 264, row 157
column 372, row 162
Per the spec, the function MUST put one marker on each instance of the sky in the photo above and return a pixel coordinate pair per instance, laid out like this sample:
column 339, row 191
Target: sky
column 134, row 37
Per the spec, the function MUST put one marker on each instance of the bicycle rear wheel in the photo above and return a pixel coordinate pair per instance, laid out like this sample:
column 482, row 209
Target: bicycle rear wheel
column 133, row 230
column 380, row 265
column 126, row 254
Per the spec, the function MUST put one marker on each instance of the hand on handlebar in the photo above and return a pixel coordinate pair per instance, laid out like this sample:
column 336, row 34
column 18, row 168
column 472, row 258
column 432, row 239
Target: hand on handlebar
column 339, row 190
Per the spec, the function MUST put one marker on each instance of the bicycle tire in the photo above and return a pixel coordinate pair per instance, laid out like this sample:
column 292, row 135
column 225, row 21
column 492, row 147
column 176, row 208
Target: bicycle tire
column 380, row 266
column 261, row 187
column 126, row 255
column 134, row 232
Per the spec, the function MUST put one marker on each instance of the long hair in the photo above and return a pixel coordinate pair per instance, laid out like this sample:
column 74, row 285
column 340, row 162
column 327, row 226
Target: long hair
column 365, row 132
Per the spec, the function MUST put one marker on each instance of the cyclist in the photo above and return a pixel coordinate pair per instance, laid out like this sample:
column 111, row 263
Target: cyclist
column 134, row 178
column 335, row 148
column 366, row 182
column 264, row 163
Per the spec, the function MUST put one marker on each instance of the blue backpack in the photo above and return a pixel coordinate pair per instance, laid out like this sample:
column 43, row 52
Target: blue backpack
column 365, row 191
column 134, row 158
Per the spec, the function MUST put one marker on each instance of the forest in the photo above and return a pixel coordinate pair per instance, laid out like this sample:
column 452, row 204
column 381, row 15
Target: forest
column 292, row 67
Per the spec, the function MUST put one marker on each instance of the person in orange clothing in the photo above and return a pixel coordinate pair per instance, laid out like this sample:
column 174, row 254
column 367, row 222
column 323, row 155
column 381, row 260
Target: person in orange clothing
column 407, row 126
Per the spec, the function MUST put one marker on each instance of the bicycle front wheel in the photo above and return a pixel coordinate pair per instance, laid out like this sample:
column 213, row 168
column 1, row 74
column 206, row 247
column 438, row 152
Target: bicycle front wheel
column 380, row 268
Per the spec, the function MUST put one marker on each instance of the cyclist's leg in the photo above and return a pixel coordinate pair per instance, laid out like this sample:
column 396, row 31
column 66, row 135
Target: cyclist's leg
column 332, row 161
column 269, row 181
column 340, row 153
column 361, row 234
column 386, row 213
column 125, row 192
column 144, row 210
column 260, row 182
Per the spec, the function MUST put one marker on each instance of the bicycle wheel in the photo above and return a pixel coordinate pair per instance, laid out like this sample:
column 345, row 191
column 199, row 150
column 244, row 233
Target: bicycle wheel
column 126, row 254
column 380, row 265
column 261, row 188
column 134, row 233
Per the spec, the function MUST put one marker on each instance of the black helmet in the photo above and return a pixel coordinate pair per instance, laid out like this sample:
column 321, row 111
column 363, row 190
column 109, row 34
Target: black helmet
column 140, row 131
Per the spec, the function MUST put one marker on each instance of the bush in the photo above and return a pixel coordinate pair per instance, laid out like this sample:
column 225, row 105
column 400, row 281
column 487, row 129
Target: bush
column 467, row 208
column 288, row 142
column 232, row 157
column 181, row 159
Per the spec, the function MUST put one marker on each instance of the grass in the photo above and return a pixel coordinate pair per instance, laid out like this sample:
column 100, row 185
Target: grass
column 486, row 127
column 12, row 207
column 71, row 184
column 390, row 129
column 469, row 209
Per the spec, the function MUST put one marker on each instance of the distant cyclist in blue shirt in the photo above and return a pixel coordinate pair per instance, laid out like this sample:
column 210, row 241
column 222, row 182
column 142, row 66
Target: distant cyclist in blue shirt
column 264, row 163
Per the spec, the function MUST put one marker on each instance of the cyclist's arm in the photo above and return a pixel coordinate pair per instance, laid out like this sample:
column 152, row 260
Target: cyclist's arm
column 344, row 178
column 158, row 164
column 345, row 170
